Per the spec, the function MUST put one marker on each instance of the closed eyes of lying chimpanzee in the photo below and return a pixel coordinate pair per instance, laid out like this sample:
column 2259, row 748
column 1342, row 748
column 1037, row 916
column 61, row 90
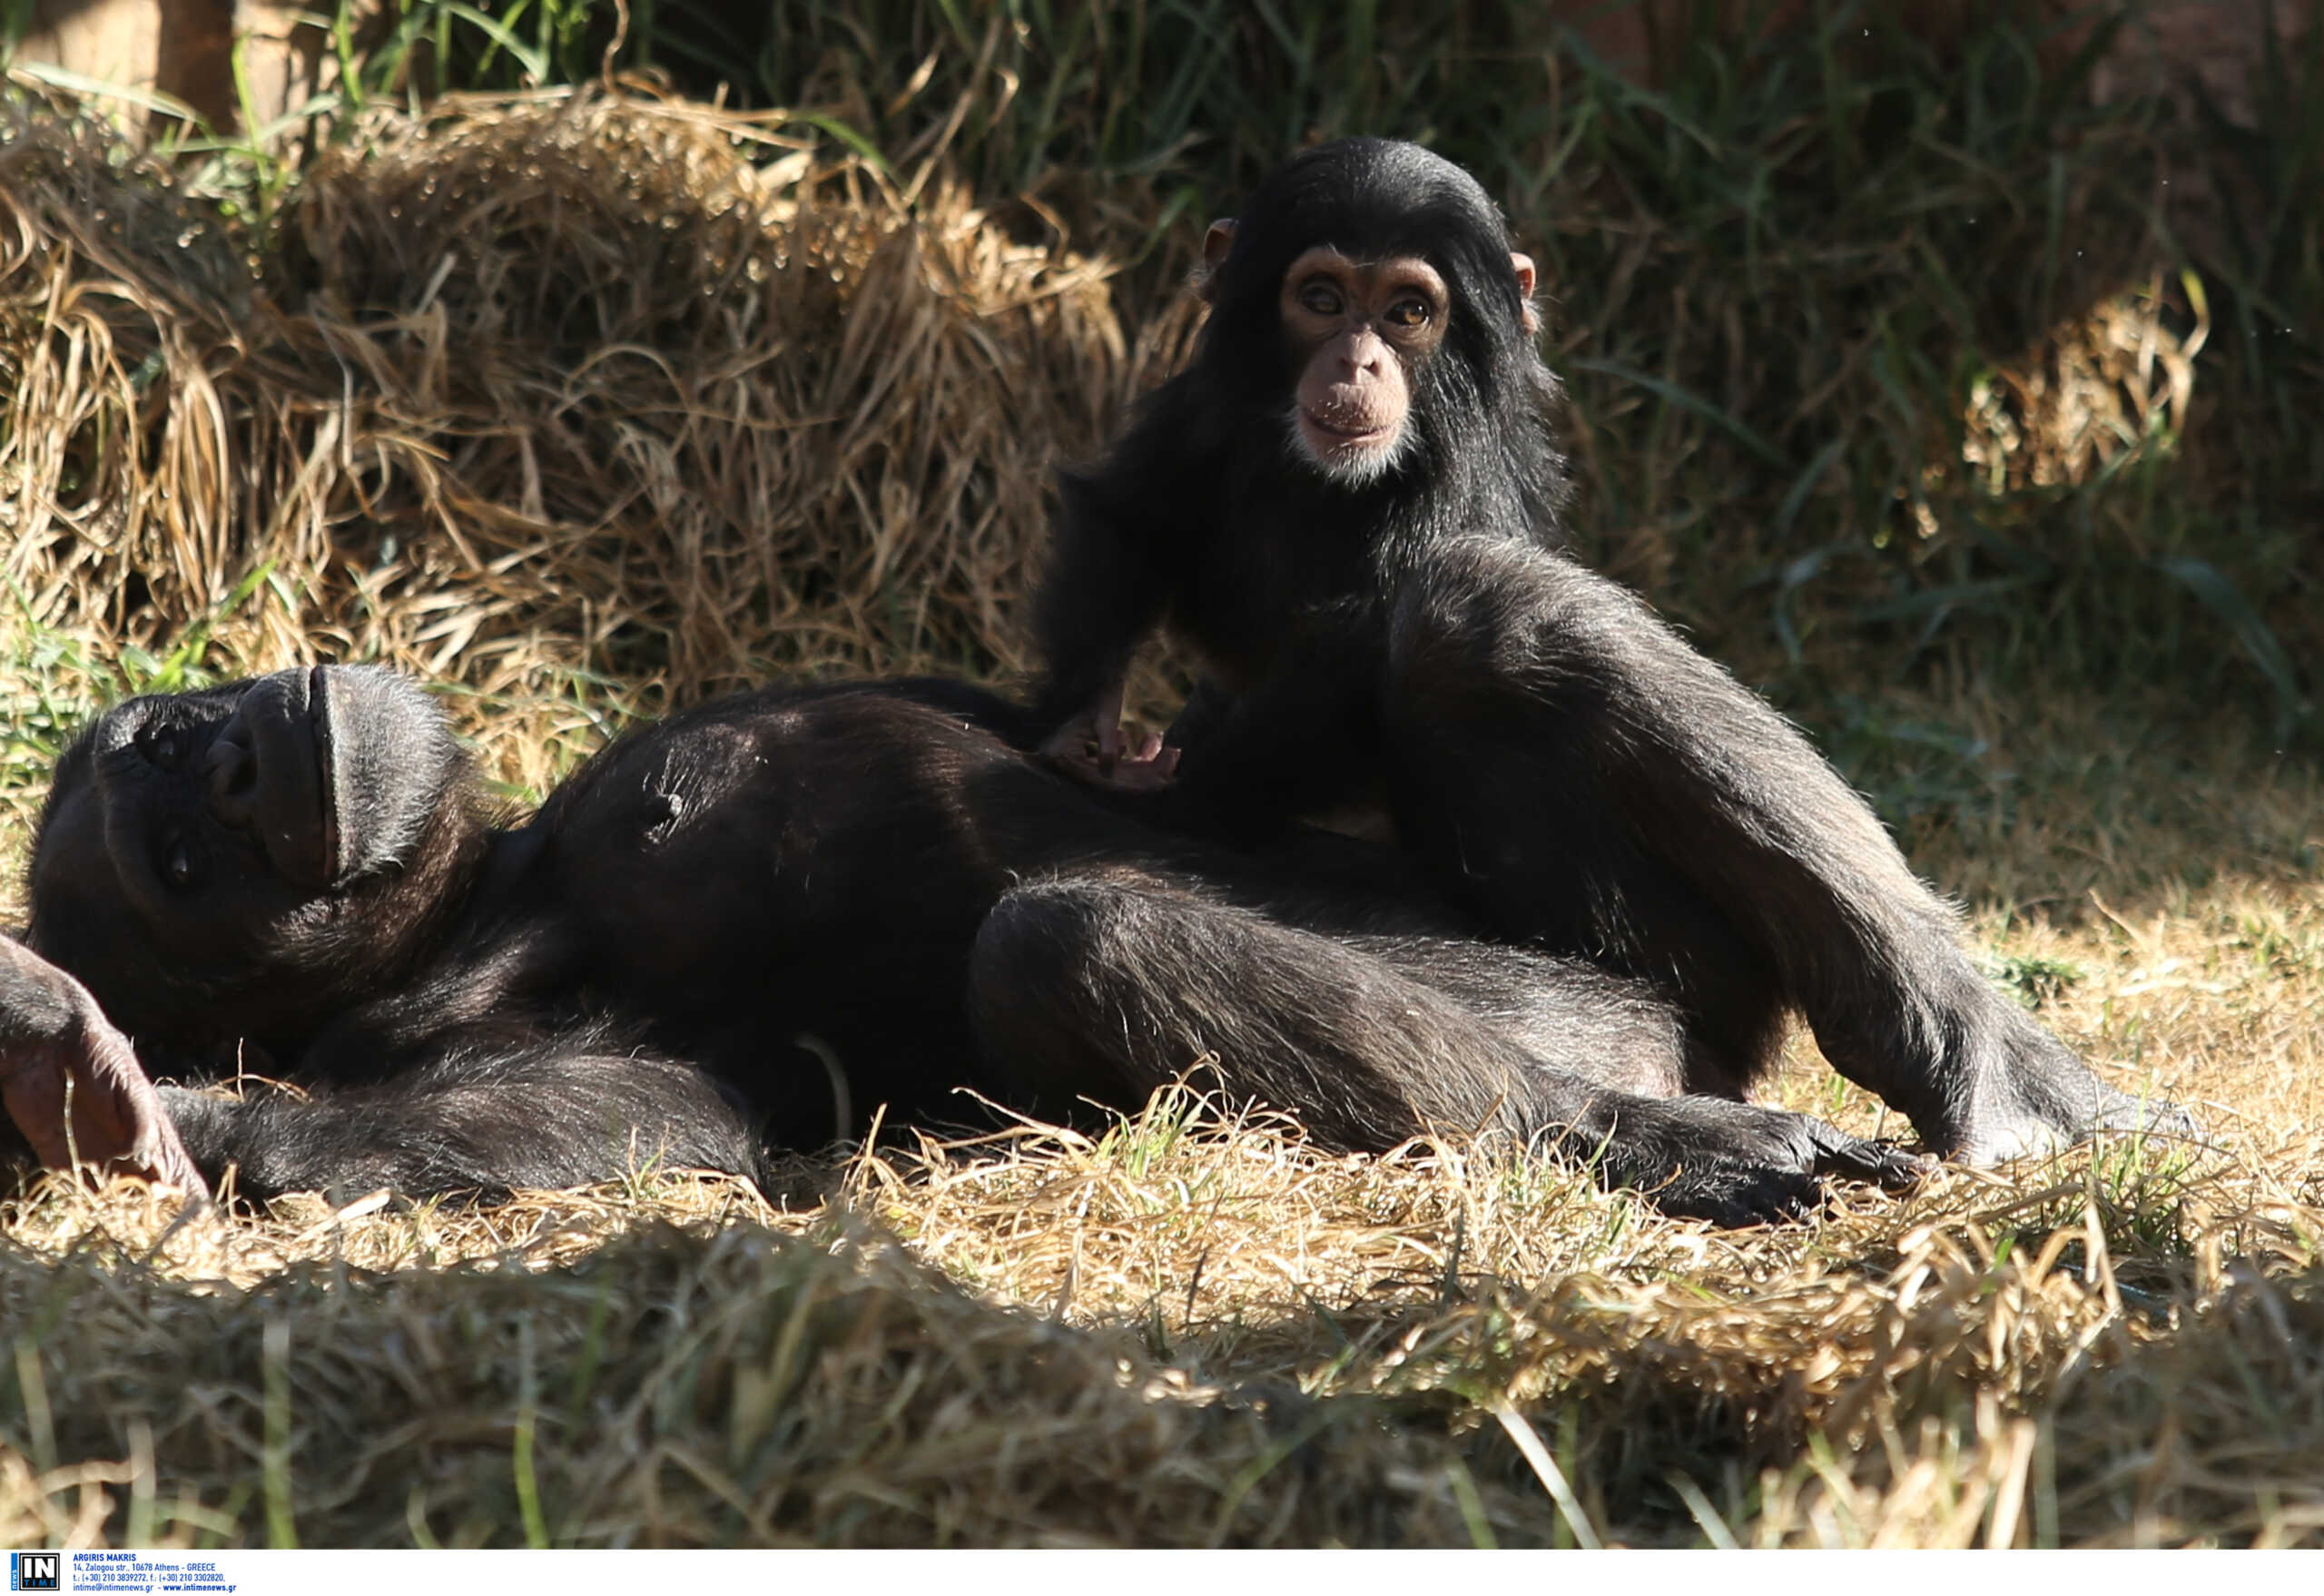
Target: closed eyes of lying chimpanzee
column 748, row 927
column 1347, row 505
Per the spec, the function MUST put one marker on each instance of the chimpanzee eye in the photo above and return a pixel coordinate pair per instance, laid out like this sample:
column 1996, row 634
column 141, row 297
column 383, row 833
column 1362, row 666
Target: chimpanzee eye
column 1322, row 297
column 165, row 747
column 1408, row 313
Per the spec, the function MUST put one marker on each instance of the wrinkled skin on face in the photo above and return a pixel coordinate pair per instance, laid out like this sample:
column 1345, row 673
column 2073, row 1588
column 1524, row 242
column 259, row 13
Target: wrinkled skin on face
column 215, row 866
column 1354, row 328
column 1358, row 332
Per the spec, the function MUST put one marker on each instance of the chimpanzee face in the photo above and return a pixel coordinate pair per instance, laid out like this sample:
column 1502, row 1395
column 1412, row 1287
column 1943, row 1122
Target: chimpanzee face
column 197, row 844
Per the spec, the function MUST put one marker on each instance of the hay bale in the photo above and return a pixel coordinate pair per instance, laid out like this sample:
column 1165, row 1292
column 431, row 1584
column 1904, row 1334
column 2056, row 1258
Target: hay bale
column 565, row 382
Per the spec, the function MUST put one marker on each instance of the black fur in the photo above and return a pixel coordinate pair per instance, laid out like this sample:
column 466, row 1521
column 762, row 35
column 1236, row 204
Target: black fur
column 792, row 908
column 1199, row 519
column 1570, row 771
column 480, row 1120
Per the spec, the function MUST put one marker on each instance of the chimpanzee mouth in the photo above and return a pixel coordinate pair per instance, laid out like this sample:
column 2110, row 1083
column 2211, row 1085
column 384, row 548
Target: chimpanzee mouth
column 1350, row 457
column 290, row 804
column 1352, row 433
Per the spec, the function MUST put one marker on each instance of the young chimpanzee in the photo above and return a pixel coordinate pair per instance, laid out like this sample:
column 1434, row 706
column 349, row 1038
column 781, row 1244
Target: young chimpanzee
column 1347, row 505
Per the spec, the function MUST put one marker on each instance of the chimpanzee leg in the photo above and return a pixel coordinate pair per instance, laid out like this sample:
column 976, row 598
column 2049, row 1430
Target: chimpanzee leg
column 1105, row 986
column 1561, row 1012
column 1557, row 745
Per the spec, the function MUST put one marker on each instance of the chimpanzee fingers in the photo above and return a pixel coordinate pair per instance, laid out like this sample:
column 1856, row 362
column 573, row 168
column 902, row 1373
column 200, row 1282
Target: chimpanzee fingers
column 118, row 1117
column 1151, row 770
column 1742, row 1196
column 1743, row 1164
column 71, row 1082
column 76, row 1105
column 1738, row 1197
column 1078, row 750
column 1093, row 747
column 1105, row 714
column 1070, row 741
column 1851, row 1157
column 1146, row 769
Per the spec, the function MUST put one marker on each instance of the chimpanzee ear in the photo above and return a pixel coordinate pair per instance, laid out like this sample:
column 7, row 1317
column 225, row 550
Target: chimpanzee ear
column 1214, row 245
column 1525, row 265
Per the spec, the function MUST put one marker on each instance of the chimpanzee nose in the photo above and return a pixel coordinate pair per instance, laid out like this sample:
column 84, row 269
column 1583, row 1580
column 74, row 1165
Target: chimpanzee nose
column 1362, row 356
column 230, row 769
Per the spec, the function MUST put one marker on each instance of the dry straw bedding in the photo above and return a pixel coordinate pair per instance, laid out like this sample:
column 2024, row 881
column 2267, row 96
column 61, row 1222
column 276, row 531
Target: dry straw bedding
column 561, row 385
column 1194, row 1333
column 527, row 386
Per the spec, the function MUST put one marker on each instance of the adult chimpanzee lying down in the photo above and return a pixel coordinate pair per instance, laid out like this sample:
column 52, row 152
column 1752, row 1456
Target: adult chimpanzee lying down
column 747, row 927
column 1348, row 504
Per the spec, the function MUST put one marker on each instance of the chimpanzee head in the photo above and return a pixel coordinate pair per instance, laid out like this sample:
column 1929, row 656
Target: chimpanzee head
column 1369, row 293
column 236, row 861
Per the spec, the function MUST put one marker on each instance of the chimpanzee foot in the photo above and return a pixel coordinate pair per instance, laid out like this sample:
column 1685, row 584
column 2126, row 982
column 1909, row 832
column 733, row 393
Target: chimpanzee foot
column 2028, row 1096
column 2001, row 1132
column 71, row 1082
column 1736, row 1164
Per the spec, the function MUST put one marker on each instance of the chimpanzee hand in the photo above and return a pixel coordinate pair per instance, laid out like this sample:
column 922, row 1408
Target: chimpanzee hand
column 1148, row 768
column 1089, row 748
column 1703, row 1157
column 53, row 1035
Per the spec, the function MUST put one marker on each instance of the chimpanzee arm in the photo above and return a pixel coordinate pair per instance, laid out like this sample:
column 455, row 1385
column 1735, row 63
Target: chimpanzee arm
column 506, row 971
column 488, row 1117
column 1100, row 596
column 564, row 1111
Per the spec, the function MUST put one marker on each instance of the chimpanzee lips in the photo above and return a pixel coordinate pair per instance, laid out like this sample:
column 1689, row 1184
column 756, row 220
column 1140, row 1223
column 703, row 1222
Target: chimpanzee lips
column 1353, row 445
column 292, row 812
column 1346, row 427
